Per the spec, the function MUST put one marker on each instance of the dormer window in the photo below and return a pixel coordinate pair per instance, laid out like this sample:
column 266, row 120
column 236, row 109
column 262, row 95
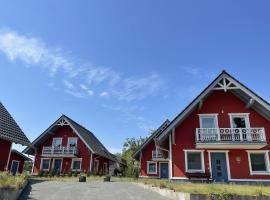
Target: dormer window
column 239, row 120
column 57, row 142
column 72, row 142
column 208, row 121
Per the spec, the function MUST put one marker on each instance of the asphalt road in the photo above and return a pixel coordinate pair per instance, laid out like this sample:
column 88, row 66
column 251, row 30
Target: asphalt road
column 53, row 190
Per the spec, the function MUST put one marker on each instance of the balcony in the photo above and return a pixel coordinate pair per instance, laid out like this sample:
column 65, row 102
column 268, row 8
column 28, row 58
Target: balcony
column 157, row 155
column 59, row 151
column 230, row 138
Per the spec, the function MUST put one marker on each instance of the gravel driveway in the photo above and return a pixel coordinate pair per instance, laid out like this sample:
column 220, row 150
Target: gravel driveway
column 53, row 190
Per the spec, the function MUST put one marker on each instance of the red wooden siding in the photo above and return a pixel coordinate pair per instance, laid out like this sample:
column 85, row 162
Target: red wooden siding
column 4, row 153
column 222, row 103
column 147, row 156
column 15, row 156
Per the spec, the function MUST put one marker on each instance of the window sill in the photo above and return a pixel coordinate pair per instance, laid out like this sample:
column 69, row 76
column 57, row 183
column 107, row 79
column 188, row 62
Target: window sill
column 154, row 173
column 260, row 173
column 195, row 171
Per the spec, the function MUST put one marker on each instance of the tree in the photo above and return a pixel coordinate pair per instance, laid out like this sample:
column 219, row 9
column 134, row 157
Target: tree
column 129, row 147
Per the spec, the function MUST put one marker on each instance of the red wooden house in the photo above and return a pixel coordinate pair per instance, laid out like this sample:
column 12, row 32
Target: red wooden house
column 17, row 161
column 66, row 146
column 10, row 133
column 222, row 135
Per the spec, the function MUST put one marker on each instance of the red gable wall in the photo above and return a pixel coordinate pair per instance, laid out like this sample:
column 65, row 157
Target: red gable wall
column 4, row 153
column 15, row 156
column 64, row 132
column 222, row 103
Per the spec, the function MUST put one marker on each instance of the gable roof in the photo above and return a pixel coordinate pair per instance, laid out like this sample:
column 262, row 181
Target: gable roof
column 224, row 81
column 21, row 154
column 9, row 129
column 89, row 139
column 154, row 135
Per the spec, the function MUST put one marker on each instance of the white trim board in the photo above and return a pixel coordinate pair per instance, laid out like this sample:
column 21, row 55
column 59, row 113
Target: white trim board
column 186, row 151
column 151, row 162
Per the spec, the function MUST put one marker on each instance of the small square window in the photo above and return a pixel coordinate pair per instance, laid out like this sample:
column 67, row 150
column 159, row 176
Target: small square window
column 151, row 167
column 194, row 161
column 258, row 163
column 76, row 165
column 45, row 164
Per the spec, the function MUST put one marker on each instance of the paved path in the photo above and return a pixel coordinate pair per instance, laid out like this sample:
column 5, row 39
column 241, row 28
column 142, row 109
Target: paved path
column 52, row 190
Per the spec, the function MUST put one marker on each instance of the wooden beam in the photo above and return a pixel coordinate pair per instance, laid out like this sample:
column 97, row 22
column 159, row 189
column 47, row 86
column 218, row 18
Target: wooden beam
column 200, row 104
column 250, row 103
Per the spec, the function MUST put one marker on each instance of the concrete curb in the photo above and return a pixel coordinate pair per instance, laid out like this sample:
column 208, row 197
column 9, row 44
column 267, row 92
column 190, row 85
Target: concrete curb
column 12, row 194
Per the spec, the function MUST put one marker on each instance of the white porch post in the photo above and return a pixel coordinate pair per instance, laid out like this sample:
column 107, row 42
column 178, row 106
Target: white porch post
column 9, row 156
column 170, row 156
column 90, row 170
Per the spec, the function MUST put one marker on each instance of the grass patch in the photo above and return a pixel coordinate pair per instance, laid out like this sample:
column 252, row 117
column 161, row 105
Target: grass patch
column 9, row 181
column 204, row 188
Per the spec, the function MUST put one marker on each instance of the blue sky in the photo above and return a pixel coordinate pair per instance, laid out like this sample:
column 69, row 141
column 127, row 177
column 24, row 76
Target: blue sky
column 121, row 68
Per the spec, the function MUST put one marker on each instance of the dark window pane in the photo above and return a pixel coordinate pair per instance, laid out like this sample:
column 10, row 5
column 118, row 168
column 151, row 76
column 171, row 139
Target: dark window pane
column 45, row 164
column 239, row 122
column 258, row 162
column 152, row 167
column 77, row 165
column 194, row 161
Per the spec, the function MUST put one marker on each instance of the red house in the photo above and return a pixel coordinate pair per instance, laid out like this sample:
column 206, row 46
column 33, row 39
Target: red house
column 16, row 162
column 222, row 135
column 67, row 146
column 10, row 133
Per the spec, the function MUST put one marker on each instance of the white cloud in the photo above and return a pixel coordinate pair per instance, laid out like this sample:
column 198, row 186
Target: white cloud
column 32, row 51
column 83, row 86
column 90, row 92
column 104, row 94
column 68, row 84
column 198, row 73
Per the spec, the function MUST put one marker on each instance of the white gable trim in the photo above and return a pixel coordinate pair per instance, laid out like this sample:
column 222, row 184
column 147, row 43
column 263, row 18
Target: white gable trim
column 211, row 87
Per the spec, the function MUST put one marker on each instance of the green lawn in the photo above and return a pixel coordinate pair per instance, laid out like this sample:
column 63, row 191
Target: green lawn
column 200, row 188
column 9, row 181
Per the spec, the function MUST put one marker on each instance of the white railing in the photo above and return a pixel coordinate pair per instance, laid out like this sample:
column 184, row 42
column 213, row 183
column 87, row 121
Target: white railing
column 59, row 151
column 254, row 135
column 156, row 154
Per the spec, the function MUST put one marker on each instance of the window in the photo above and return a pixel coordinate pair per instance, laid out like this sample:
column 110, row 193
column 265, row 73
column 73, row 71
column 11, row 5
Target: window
column 208, row 121
column 194, row 160
column 239, row 120
column 76, row 164
column 258, row 162
column 72, row 142
column 151, row 167
column 105, row 168
column 45, row 164
column 57, row 142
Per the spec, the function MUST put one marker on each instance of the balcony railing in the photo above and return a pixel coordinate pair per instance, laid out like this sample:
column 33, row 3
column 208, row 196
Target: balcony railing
column 157, row 155
column 60, row 151
column 223, row 135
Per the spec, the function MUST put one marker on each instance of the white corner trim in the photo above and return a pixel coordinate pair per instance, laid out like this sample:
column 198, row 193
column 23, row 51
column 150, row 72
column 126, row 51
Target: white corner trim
column 170, row 157
column 186, row 151
column 9, row 155
column 266, row 158
column 151, row 162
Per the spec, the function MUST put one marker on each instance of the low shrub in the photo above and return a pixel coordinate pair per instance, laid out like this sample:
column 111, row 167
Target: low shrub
column 9, row 181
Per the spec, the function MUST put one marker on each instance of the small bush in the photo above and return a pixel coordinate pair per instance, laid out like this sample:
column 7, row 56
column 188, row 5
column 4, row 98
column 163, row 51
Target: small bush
column 9, row 181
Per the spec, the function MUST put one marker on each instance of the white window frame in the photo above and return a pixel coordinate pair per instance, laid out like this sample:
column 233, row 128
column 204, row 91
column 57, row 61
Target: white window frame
column 57, row 138
column 267, row 164
column 202, row 170
column 41, row 164
column 245, row 115
column 96, row 167
column 151, row 162
column 214, row 115
column 71, row 138
column 72, row 162
column 17, row 166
